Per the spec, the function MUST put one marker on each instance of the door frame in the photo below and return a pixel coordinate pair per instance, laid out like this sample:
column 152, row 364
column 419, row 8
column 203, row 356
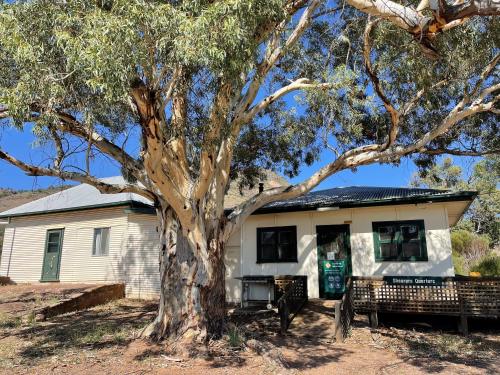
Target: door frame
column 61, row 240
column 347, row 231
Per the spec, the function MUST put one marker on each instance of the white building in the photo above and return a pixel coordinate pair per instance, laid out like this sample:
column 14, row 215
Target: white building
column 80, row 235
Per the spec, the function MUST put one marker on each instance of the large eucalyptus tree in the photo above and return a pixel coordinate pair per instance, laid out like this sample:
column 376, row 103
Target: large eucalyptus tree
column 222, row 88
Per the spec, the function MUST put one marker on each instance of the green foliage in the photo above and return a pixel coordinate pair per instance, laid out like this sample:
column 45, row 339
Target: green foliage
column 85, row 58
column 440, row 176
column 458, row 263
column 485, row 210
column 463, row 241
column 481, row 217
column 488, row 266
column 235, row 337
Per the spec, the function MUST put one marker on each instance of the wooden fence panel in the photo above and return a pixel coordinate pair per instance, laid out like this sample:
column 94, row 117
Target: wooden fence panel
column 293, row 297
column 456, row 296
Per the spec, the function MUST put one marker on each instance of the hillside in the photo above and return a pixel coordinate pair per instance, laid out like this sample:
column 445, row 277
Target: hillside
column 10, row 198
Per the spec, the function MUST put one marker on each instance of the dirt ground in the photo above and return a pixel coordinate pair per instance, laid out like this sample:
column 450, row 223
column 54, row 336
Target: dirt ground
column 18, row 300
column 102, row 340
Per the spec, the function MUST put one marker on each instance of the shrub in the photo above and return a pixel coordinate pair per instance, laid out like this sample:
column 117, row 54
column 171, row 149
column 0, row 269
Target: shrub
column 235, row 337
column 470, row 247
column 488, row 265
column 461, row 240
column 458, row 264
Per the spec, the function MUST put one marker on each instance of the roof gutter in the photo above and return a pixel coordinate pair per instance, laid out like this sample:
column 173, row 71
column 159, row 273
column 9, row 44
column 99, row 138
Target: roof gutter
column 129, row 203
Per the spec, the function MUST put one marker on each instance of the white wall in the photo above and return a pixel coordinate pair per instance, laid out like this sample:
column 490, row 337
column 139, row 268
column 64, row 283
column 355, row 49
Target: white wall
column 362, row 249
column 233, row 267
column 437, row 240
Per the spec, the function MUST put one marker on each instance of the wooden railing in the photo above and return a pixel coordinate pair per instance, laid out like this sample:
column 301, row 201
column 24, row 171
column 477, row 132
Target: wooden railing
column 344, row 312
column 457, row 296
column 293, row 298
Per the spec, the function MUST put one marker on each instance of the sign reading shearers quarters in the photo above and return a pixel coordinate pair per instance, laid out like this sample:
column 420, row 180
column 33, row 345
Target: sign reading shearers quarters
column 413, row 280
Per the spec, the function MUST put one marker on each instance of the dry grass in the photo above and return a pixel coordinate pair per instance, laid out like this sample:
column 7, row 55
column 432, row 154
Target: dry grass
column 23, row 342
column 103, row 338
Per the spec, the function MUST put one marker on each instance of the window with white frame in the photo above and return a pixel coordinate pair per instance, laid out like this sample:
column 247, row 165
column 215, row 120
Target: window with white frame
column 101, row 242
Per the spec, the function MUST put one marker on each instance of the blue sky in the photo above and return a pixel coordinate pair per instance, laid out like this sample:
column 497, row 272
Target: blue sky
column 20, row 144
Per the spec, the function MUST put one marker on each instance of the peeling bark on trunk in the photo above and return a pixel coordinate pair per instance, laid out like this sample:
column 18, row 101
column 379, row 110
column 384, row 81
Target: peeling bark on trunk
column 192, row 300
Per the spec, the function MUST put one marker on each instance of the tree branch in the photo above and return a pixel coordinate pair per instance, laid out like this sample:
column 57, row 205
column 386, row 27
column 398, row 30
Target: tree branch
column 395, row 115
column 71, row 125
column 59, row 148
column 299, row 84
column 423, row 27
column 457, row 152
column 105, row 188
column 367, row 154
column 272, row 56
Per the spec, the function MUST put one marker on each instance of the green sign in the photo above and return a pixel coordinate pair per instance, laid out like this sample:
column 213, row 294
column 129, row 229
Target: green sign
column 334, row 276
column 414, row 280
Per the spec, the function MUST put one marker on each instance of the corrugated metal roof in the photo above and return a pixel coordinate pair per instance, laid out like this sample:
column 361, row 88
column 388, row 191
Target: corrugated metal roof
column 78, row 197
column 85, row 196
column 363, row 196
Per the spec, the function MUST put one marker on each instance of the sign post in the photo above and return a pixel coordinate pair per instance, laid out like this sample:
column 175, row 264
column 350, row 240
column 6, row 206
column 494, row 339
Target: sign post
column 334, row 277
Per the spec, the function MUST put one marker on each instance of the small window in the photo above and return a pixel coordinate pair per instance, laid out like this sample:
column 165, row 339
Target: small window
column 101, row 242
column 399, row 241
column 277, row 244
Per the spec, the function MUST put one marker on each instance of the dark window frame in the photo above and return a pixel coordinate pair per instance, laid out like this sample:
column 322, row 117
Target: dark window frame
column 277, row 230
column 376, row 225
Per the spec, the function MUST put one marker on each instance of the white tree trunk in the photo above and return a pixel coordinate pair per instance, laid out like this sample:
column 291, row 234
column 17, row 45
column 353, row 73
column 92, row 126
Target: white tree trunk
column 192, row 296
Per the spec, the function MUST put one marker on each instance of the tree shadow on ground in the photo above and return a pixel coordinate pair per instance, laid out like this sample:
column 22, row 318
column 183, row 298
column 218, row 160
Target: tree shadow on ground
column 93, row 329
column 429, row 348
column 309, row 342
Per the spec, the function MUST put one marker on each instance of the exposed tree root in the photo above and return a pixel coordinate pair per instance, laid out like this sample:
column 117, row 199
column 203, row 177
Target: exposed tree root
column 270, row 353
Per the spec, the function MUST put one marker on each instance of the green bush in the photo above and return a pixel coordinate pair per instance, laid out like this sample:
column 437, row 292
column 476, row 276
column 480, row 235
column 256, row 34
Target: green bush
column 461, row 240
column 488, row 266
column 458, row 264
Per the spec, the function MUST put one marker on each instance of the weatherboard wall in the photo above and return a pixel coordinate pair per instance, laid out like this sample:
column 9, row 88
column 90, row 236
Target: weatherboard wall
column 24, row 246
column 138, row 265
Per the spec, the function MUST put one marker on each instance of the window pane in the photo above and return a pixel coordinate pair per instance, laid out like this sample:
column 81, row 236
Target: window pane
column 267, row 238
column 268, row 252
column 97, row 242
column 104, row 241
column 101, row 241
column 285, row 252
column 389, row 250
column 386, row 233
column 54, row 237
column 285, row 237
column 411, row 249
column 53, row 247
column 410, row 241
column 409, row 232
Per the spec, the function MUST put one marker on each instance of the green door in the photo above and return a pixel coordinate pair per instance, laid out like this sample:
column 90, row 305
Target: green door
column 333, row 243
column 52, row 258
